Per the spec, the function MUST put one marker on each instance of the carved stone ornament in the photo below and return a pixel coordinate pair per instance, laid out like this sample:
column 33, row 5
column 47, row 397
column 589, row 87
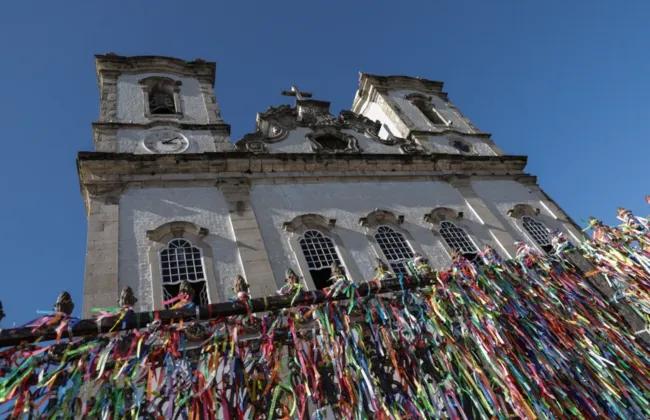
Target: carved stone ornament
column 176, row 230
column 378, row 216
column 64, row 303
column 315, row 113
column 186, row 288
column 291, row 277
column 440, row 214
column 412, row 148
column 127, row 298
column 240, row 285
column 329, row 140
column 275, row 124
column 520, row 210
column 256, row 147
column 309, row 221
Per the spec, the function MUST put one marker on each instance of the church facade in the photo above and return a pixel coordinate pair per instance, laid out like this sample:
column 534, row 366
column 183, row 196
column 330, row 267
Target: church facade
column 170, row 198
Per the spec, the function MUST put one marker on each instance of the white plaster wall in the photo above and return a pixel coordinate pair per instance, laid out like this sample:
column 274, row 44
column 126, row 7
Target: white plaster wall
column 502, row 195
column 347, row 202
column 373, row 111
column 130, row 99
column 146, row 209
column 130, row 141
column 440, row 144
column 297, row 143
column 420, row 121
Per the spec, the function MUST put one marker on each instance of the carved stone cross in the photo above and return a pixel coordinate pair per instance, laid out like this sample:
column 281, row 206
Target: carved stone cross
column 297, row 93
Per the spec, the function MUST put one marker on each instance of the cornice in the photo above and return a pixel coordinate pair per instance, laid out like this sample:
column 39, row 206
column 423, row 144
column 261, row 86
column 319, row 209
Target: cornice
column 447, row 131
column 110, row 65
column 101, row 125
column 97, row 168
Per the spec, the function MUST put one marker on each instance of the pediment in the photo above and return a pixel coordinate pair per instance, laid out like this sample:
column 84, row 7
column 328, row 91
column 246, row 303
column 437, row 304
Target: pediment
column 320, row 130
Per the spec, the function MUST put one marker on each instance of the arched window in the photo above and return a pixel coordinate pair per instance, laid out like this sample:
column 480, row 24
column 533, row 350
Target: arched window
column 320, row 252
column 424, row 104
column 459, row 240
column 161, row 97
column 538, row 231
column 395, row 247
column 181, row 261
column 161, row 101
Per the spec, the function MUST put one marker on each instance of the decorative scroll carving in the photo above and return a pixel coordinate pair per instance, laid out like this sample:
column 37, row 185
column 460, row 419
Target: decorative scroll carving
column 412, row 148
column 310, row 220
column 520, row 210
column 439, row 214
column 378, row 216
column 127, row 298
column 329, row 140
column 275, row 124
column 176, row 229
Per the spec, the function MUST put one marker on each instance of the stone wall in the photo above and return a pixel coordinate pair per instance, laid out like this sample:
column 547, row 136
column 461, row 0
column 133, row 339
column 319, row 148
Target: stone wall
column 143, row 209
column 130, row 100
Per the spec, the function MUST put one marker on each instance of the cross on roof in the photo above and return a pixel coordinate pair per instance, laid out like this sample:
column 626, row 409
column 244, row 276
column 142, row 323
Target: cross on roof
column 298, row 94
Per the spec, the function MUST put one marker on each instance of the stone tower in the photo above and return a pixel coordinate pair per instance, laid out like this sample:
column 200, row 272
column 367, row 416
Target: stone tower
column 403, row 172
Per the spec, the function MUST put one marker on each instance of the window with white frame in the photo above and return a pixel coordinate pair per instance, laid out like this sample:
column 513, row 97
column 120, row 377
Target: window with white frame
column 320, row 252
column 538, row 231
column 395, row 247
column 459, row 240
column 179, row 261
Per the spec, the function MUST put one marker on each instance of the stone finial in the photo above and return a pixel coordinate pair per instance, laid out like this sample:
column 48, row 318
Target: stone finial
column 240, row 285
column 127, row 298
column 2, row 312
column 291, row 277
column 381, row 266
column 195, row 332
column 64, row 303
column 186, row 288
column 337, row 270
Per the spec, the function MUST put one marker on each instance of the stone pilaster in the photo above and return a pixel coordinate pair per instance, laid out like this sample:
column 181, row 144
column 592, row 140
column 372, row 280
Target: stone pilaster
column 499, row 233
column 108, row 97
column 254, row 259
column 101, row 276
column 210, row 100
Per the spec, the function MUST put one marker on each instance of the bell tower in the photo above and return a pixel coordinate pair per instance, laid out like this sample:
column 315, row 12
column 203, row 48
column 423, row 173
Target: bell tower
column 419, row 110
column 158, row 105
column 155, row 214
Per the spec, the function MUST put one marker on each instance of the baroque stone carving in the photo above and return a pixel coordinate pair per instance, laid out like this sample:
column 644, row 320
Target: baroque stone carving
column 127, row 298
column 331, row 140
column 309, row 220
column 64, row 303
column 412, row 148
column 275, row 124
column 520, row 210
column 440, row 214
column 378, row 216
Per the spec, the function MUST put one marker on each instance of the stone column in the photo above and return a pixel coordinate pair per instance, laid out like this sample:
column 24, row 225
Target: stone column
column 254, row 259
column 101, row 288
column 497, row 230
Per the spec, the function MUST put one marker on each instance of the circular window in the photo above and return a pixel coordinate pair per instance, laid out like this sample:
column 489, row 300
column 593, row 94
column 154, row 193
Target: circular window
column 460, row 145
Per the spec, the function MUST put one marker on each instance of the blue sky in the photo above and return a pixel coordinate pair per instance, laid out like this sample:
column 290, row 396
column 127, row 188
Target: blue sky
column 566, row 83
